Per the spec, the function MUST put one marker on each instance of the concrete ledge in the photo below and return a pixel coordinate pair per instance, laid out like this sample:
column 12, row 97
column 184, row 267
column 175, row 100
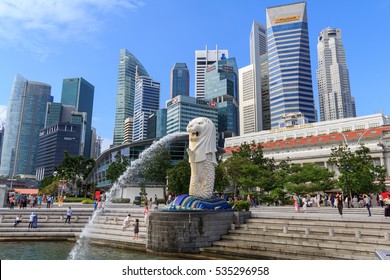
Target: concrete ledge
column 186, row 231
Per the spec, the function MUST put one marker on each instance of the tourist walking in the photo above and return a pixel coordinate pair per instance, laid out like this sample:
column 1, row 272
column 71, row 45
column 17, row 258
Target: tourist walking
column 60, row 201
column 386, row 201
column 304, row 200
column 12, row 202
column 367, row 203
column 296, row 205
column 381, row 201
column 339, row 203
column 48, row 201
column 318, row 199
column 68, row 215
column 39, row 201
column 136, row 229
column 146, row 211
column 126, row 222
column 331, row 198
column 31, row 220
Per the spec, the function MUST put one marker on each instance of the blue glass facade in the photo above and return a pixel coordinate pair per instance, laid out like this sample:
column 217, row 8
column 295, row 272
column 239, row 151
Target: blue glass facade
column 79, row 93
column 289, row 63
column 128, row 66
column 25, row 118
column 53, row 142
column 221, row 87
column 180, row 80
column 146, row 102
column 157, row 124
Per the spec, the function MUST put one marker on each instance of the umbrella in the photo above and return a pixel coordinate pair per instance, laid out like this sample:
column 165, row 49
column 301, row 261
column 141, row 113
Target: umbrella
column 385, row 194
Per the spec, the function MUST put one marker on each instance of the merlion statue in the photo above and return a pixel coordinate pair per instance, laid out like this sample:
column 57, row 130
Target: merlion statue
column 202, row 158
column 201, row 154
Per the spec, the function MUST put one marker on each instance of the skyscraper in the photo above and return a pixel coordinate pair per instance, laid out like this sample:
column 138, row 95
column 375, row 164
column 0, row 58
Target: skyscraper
column 203, row 59
column 221, row 87
column 182, row 109
column 289, row 63
column 157, row 124
column 146, row 102
column 264, row 89
column 334, row 90
column 249, row 100
column 251, row 114
column 125, row 91
column 53, row 142
column 180, row 80
column 25, row 118
column 79, row 93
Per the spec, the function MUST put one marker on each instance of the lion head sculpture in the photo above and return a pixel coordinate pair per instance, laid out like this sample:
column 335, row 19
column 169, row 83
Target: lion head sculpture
column 202, row 136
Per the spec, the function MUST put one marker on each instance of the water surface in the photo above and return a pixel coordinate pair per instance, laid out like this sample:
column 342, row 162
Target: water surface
column 59, row 250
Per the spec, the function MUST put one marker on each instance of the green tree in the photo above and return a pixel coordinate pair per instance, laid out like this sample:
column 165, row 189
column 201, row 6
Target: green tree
column 74, row 170
column 117, row 167
column 234, row 168
column 308, row 178
column 358, row 174
column 179, row 177
column 221, row 180
column 156, row 167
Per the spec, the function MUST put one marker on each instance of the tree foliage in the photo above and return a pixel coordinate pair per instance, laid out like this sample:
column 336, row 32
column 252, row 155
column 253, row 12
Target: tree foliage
column 308, row 178
column 117, row 167
column 156, row 167
column 74, row 170
column 179, row 177
column 358, row 174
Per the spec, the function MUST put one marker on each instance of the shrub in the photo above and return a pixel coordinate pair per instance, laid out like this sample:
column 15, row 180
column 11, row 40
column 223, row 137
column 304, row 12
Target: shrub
column 87, row 201
column 241, row 205
column 75, row 199
column 120, row 200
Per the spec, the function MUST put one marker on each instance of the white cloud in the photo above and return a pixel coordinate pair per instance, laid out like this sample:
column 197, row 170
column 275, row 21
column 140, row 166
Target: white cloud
column 33, row 23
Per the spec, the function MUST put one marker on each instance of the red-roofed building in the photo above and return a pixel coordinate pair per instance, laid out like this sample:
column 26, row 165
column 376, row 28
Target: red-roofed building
column 313, row 142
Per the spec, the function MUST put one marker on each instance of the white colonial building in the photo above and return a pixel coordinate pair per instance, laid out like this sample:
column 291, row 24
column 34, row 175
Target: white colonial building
column 312, row 142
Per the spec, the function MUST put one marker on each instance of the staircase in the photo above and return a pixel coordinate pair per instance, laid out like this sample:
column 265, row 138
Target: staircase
column 279, row 233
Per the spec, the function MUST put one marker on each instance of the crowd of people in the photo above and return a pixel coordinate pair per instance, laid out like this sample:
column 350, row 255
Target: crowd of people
column 302, row 202
column 23, row 201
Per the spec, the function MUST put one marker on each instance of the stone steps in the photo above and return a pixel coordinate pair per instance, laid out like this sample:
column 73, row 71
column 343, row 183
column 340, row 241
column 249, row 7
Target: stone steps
column 354, row 244
column 281, row 235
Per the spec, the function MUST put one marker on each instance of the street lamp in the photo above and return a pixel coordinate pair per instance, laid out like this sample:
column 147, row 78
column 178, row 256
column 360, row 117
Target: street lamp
column 346, row 169
column 362, row 136
column 345, row 138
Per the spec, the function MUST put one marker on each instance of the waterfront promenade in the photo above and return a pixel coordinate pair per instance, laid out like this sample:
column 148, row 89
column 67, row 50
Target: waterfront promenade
column 271, row 232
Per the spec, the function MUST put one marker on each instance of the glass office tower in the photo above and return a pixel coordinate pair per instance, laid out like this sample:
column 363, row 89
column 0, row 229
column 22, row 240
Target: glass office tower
column 221, row 86
column 290, row 78
column 79, row 93
column 146, row 102
column 180, row 80
column 25, row 118
column 125, row 92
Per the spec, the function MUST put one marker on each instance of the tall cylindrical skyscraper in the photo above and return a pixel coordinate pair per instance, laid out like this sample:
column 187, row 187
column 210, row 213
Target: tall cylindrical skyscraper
column 334, row 90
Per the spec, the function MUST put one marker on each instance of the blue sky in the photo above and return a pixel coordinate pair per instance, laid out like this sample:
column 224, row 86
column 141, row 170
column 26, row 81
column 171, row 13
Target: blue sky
column 49, row 40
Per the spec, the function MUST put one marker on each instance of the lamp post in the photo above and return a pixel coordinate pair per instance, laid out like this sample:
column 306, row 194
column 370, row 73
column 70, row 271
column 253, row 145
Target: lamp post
column 362, row 136
column 346, row 169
